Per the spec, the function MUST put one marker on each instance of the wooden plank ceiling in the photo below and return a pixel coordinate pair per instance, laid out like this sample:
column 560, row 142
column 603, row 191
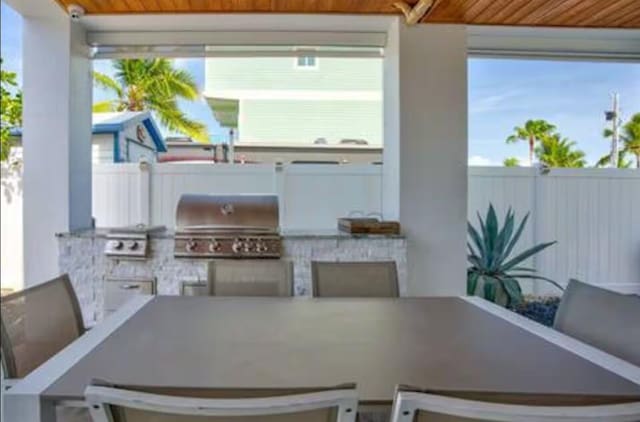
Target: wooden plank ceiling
column 560, row 13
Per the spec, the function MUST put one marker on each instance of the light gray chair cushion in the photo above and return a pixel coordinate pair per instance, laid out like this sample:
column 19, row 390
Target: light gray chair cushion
column 604, row 319
column 251, row 277
column 354, row 279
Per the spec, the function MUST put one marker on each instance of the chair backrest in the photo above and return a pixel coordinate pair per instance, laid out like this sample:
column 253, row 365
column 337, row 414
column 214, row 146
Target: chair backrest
column 415, row 406
column 354, row 279
column 144, row 404
column 194, row 289
column 607, row 320
column 36, row 323
column 251, row 277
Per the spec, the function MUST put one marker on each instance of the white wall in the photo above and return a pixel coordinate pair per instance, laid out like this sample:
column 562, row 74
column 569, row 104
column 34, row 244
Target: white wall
column 57, row 124
column 102, row 149
column 426, row 147
column 11, row 269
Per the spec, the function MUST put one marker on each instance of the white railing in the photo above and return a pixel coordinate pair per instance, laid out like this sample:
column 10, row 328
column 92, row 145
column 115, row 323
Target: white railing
column 594, row 214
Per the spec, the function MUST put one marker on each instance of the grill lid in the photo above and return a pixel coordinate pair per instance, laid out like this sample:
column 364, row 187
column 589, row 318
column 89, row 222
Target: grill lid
column 227, row 213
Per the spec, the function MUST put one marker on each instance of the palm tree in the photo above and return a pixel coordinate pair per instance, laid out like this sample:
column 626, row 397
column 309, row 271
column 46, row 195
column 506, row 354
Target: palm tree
column 511, row 162
column 630, row 138
column 623, row 162
column 532, row 131
column 155, row 85
column 554, row 151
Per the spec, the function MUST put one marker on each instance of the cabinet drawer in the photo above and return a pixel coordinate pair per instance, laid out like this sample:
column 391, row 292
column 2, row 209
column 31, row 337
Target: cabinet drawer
column 119, row 291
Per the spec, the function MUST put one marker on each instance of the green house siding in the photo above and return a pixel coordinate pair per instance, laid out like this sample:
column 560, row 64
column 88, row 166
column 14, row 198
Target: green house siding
column 281, row 73
column 277, row 121
column 280, row 102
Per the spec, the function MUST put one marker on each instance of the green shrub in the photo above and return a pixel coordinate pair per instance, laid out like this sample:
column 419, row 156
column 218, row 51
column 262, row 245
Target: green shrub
column 494, row 273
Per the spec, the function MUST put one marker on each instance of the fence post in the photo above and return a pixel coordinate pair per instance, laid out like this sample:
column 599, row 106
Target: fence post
column 144, row 180
column 279, row 187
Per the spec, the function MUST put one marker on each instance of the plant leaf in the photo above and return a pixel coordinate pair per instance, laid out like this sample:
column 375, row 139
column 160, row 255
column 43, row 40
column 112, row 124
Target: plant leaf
column 516, row 237
column 537, row 277
column 533, row 270
column 473, row 234
column 103, row 106
column 502, row 239
column 524, row 255
column 472, row 282
column 475, row 261
column 489, row 289
column 513, row 290
column 492, row 228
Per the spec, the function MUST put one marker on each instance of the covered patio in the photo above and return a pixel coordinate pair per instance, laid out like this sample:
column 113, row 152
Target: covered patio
column 426, row 333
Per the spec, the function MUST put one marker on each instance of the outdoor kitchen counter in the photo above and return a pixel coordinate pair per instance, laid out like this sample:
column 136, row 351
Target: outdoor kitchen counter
column 287, row 234
column 81, row 255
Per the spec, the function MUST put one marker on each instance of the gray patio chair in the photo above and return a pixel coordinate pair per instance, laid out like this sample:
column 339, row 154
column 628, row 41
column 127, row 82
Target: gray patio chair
column 147, row 404
column 36, row 323
column 354, row 279
column 412, row 405
column 604, row 319
column 251, row 277
column 194, row 289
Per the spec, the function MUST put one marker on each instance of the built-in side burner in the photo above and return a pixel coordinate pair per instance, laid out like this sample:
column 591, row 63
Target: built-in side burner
column 130, row 242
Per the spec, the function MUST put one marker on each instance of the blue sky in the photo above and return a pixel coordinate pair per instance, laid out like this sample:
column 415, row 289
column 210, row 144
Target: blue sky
column 502, row 94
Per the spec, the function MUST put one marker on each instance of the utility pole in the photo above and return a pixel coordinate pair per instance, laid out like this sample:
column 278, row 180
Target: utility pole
column 613, row 116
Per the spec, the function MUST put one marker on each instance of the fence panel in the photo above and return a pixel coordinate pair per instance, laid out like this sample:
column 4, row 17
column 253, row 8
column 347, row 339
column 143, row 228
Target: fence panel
column 170, row 181
column 314, row 197
column 593, row 214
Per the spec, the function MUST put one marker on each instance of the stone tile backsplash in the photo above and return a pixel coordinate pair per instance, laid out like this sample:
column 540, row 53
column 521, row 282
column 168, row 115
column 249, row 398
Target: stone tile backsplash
column 83, row 259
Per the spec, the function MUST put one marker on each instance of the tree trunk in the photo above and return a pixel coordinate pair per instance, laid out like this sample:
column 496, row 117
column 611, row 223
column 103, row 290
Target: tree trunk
column 531, row 145
column 638, row 161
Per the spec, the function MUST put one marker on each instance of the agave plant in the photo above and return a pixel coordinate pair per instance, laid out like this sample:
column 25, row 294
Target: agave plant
column 493, row 272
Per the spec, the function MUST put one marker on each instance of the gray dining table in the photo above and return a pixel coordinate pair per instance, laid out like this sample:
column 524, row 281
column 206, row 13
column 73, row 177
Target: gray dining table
column 447, row 343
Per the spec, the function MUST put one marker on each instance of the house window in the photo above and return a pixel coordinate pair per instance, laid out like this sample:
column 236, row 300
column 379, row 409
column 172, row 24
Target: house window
column 306, row 62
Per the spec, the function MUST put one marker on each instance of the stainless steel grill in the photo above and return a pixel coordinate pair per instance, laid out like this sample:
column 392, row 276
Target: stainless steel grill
column 227, row 226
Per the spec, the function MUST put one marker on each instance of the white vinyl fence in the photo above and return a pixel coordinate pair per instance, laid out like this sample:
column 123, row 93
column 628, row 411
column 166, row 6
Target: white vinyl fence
column 594, row 214
column 312, row 197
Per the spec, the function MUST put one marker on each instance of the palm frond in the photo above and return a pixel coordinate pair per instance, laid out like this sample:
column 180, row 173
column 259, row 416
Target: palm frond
column 106, row 82
column 174, row 119
column 103, row 106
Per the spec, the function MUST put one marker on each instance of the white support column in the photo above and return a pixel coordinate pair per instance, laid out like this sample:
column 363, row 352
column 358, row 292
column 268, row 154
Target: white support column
column 56, row 134
column 425, row 154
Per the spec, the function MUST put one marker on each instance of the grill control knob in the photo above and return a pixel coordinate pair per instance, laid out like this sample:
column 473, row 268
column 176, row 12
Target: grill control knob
column 236, row 246
column 261, row 247
column 133, row 245
column 215, row 246
column 191, row 245
column 117, row 244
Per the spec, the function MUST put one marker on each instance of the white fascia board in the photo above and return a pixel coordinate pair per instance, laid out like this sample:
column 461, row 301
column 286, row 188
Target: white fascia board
column 554, row 43
column 238, row 38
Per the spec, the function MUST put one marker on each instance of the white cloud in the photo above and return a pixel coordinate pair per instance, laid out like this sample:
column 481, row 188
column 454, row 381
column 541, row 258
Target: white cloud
column 477, row 160
column 496, row 102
